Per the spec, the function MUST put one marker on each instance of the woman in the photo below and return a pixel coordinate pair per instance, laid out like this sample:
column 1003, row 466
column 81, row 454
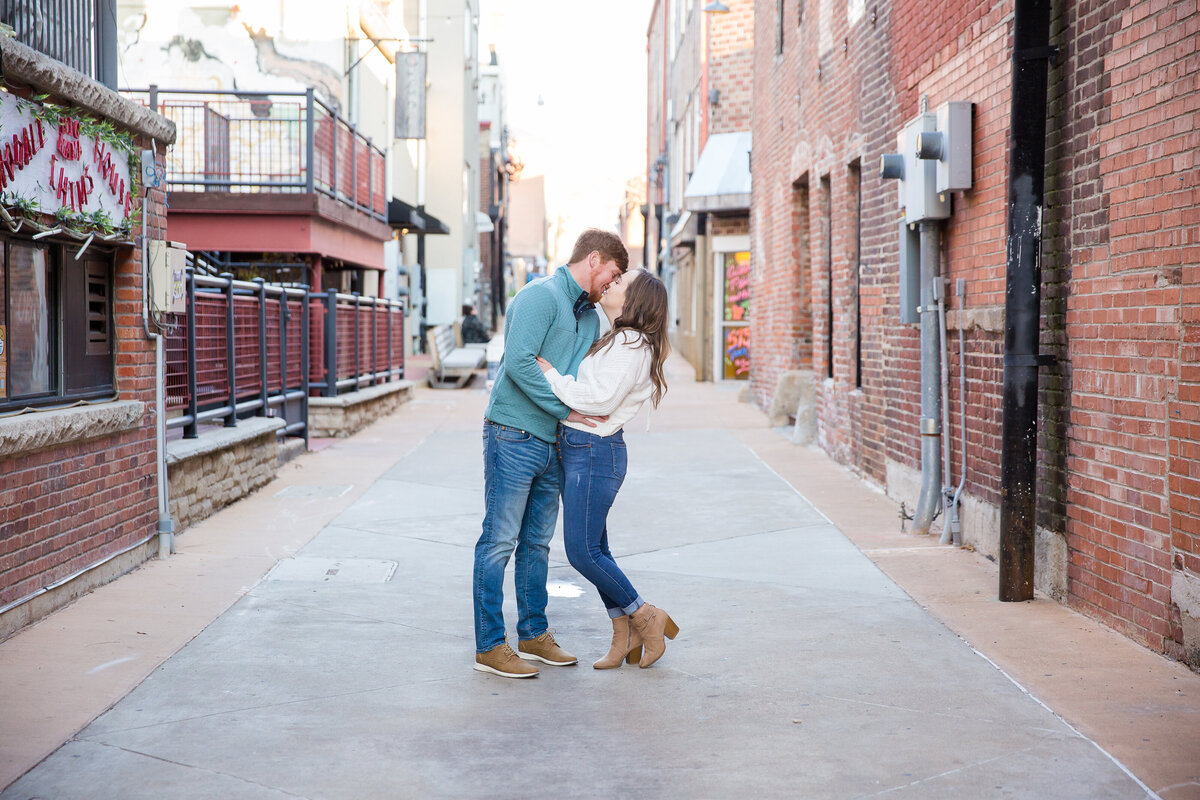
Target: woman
column 622, row 370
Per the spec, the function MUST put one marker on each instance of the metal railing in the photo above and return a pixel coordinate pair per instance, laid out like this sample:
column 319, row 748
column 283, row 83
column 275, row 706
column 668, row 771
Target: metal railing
column 355, row 342
column 240, row 348
column 253, row 348
column 269, row 142
column 80, row 33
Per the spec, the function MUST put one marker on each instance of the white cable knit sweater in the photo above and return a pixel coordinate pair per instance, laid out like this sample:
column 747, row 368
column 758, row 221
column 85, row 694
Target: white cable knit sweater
column 613, row 382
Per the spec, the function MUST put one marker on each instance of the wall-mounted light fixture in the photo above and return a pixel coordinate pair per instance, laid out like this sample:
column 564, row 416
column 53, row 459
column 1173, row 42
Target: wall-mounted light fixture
column 716, row 7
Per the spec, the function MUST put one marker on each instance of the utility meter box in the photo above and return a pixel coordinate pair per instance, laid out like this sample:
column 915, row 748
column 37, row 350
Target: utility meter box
column 168, row 265
column 954, row 165
column 921, row 199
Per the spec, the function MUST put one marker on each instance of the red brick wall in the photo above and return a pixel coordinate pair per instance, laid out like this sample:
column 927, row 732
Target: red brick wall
column 1131, row 318
column 730, row 64
column 65, row 508
column 815, row 115
column 1119, row 428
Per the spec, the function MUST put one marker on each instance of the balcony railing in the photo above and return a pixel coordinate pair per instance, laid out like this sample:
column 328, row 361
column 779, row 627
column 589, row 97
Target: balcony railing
column 268, row 142
column 244, row 348
column 80, row 33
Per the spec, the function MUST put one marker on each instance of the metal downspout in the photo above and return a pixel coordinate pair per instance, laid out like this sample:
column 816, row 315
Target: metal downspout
column 929, row 502
column 166, row 526
column 1022, row 309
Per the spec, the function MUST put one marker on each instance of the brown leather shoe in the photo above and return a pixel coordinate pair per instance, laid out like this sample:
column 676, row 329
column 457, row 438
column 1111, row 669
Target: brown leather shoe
column 626, row 645
column 546, row 650
column 502, row 661
column 653, row 624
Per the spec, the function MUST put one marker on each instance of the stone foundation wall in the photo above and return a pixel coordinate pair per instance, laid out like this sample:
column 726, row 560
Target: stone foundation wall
column 225, row 465
column 347, row 413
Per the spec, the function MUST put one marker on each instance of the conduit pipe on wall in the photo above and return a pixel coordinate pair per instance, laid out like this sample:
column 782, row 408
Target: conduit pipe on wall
column 939, row 291
column 166, row 526
column 930, row 500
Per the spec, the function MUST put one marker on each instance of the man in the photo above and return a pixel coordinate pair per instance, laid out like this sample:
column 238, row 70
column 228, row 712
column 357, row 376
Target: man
column 552, row 317
column 471, row 326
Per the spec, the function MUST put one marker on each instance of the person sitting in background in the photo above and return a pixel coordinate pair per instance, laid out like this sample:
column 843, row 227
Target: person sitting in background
column 473, row 331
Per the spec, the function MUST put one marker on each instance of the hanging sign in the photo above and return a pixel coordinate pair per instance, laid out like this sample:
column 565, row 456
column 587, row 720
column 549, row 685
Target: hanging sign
column 410, row 95
column 50, row 162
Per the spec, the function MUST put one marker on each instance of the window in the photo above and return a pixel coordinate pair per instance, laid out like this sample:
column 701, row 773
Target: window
column 56, row 324
column 856, row 193
column 779, row 17
column 827, row 232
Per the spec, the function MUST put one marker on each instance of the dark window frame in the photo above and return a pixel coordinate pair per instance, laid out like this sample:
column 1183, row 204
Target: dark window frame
column 80, row 297
column 780, row 16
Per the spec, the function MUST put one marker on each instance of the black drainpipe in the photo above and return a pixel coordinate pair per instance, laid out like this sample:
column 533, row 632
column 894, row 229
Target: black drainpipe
column 1022, row 307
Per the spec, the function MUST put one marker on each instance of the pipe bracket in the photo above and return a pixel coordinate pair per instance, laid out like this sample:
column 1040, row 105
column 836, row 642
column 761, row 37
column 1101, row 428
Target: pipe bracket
column 1026, row 360
column 931, row 426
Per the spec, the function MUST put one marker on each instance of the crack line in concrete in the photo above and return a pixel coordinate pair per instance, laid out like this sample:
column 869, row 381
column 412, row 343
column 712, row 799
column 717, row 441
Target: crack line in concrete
column 209, row 770
column 732, row 538
column 1149, row 792
column 946, row 714
column 816, row 589
column 948, row 772
column 244, row 709
column 368, row 619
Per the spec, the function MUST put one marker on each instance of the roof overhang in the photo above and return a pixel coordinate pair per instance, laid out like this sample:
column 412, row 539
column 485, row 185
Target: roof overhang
column 721, row 179
column 685, row 230
column 403, row 215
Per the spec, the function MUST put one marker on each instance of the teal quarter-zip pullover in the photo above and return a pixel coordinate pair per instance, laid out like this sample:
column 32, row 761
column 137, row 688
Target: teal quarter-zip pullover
column 541, row 321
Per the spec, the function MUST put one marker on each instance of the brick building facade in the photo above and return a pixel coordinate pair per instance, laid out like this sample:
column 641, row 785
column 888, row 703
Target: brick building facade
column 77, row 460
column 698, row 122
column 1118, row 475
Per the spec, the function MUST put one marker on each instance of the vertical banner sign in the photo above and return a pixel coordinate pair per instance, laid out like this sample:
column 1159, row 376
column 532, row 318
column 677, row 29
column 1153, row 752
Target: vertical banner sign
column 3, row 362
column 410, row 95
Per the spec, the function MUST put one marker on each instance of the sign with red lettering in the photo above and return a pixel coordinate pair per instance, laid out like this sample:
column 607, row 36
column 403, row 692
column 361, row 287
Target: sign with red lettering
column 737, row 353
column 58, row 166
column 737, row 287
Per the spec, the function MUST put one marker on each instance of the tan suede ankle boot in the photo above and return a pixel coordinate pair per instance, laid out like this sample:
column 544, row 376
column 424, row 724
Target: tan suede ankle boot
column 653, row 624
column 626, row 644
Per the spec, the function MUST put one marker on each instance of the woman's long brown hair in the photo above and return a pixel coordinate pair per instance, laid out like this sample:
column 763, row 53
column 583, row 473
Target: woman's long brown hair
column 645, row 312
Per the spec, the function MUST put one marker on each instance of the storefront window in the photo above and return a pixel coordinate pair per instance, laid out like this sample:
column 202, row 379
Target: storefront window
column 29, row 324
column 736, row 329
column 56, row 335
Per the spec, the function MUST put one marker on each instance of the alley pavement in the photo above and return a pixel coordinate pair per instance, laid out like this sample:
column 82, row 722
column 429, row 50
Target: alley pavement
column 802, row 670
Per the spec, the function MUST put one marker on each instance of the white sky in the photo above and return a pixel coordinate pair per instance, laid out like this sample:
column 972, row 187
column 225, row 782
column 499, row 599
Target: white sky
column 586, row 59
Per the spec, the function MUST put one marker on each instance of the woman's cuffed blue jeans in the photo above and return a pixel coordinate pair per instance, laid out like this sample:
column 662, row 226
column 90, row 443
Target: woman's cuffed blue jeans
column 593, row 471
column 521, row 477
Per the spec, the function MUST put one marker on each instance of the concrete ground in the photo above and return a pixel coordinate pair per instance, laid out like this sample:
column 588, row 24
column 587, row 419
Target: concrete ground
column 822, row 653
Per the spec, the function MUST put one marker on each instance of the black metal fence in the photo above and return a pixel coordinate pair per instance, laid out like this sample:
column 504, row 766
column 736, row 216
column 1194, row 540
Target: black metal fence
column 80, row 33
column 251, row 348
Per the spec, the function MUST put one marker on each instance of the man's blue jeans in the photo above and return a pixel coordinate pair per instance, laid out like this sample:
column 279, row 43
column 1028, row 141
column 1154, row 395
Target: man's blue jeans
column 521, row 477
column 593, row 471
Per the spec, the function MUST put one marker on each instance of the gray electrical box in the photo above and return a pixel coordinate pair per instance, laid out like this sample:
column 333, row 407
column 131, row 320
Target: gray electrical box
column 954, row 165
column 910, row 273
column 921, row 200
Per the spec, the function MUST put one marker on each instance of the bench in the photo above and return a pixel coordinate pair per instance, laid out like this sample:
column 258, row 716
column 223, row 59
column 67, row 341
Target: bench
column 452, row 366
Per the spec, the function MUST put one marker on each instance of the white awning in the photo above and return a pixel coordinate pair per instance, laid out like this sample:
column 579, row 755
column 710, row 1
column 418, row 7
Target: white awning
column 721, row 180
column 483, row 223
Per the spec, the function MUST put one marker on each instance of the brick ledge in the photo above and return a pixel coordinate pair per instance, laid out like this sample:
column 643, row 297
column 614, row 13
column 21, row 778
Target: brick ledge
column 39, row 430
column 361, row 396
column 221, row 438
